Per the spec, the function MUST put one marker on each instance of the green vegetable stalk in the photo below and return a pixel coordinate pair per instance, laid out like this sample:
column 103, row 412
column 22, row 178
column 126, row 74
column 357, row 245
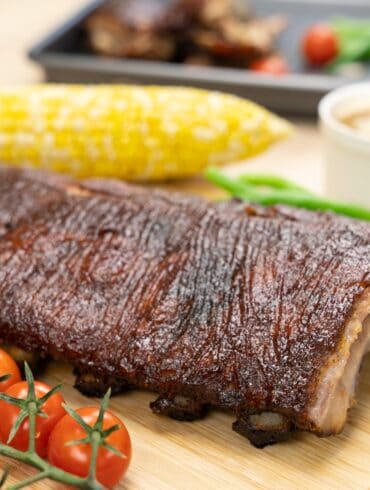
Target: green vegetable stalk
column 354, row 41
column 270, row 191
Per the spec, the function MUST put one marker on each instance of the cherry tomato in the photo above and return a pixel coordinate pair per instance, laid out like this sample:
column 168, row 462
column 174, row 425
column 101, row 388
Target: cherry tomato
column 53, row 409
column 76, row 458
column 320, row 45
column 8, row 366
column 272, row 65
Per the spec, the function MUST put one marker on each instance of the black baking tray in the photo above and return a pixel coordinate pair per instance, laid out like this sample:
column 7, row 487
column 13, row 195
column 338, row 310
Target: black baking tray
column 65, row 58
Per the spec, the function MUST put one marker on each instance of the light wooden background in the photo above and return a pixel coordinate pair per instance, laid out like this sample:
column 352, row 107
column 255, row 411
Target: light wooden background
column 207, row 454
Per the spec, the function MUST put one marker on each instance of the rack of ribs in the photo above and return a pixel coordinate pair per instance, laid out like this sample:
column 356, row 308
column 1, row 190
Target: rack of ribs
column 264, row 312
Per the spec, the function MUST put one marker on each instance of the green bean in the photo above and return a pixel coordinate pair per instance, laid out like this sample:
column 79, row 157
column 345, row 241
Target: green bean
column 251, row 193
column 271, row 181
column 234, row 187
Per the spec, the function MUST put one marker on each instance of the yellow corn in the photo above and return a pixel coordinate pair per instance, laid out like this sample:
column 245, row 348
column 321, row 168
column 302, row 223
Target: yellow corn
column 130, row 132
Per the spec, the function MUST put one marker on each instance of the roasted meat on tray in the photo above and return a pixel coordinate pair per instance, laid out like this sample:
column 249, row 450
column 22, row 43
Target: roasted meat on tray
column 132, row 29
column 192, row 31
column 264, row 312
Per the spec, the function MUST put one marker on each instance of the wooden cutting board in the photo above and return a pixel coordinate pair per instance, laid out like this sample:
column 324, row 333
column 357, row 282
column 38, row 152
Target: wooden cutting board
column 207, row 454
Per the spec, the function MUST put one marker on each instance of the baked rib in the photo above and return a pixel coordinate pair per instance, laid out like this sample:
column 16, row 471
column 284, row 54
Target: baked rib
column 264, row 312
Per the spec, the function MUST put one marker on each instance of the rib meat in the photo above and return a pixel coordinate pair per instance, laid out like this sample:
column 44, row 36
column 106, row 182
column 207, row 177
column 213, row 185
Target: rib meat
column 261, row 311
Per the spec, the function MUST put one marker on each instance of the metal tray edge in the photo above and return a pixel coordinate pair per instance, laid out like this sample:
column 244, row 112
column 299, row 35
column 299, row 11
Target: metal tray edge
column 36, row 51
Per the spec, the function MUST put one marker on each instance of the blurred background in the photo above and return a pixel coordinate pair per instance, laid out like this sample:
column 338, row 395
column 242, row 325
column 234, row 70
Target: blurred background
column 267, row 51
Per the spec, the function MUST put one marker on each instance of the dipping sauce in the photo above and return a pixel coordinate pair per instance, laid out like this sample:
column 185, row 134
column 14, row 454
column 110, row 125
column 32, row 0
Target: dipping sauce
column 360, row 121
column 345, row 127
column 352, row 110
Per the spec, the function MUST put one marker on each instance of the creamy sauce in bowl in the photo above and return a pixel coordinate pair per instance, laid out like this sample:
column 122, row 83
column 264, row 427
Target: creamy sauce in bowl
column 345, row 128
column 352, row 112
column 359, row 121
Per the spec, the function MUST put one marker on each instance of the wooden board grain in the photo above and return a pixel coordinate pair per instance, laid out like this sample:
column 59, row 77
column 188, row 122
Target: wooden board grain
column 207, row 454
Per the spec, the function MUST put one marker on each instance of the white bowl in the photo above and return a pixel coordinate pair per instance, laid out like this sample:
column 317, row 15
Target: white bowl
column 347, row 150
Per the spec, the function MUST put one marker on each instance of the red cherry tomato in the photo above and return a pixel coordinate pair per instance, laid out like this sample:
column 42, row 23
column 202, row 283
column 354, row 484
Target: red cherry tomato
column 8, row 366
column 320, row 45
column 272, row 65
column 53, row 409
column 76, row 458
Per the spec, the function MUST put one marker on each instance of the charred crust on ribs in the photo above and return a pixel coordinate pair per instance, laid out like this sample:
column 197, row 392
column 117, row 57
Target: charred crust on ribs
column 95, row 385
column 264, row 429
column 240, row 308
column 179, row 407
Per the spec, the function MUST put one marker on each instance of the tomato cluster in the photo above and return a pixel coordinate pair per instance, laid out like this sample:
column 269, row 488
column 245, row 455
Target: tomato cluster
column 57, row 429
column 319, row 46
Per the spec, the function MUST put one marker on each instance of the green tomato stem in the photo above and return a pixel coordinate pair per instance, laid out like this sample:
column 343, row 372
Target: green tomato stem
column 29, row 481
column 33, row 407
column 32, row 411
column 48, row 470
column 95, row 442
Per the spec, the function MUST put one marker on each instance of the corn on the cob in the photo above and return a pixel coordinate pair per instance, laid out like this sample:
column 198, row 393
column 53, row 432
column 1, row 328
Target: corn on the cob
column 130, row 132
